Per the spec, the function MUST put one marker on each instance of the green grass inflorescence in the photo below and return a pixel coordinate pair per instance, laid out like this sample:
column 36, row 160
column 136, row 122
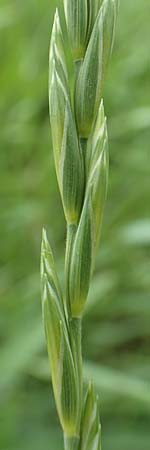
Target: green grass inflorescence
column 80, row 146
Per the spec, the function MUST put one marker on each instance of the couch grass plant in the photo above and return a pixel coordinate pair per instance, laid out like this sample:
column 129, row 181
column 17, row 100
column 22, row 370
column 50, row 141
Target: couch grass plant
column 115, row 329
column 80, row 147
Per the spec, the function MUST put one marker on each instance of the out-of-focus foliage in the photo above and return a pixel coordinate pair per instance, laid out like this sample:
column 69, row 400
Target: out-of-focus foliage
column 116, row 332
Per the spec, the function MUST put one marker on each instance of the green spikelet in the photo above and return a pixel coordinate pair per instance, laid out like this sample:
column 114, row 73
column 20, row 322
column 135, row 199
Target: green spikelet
column 67, row 153
column 92, row 73
column 88, row 232
column 76, row 12
column 93, row 8
column 63, row 371
column 90, row 425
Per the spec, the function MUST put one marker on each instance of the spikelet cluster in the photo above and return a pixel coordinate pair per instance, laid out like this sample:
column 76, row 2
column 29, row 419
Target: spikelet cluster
column 80, row 147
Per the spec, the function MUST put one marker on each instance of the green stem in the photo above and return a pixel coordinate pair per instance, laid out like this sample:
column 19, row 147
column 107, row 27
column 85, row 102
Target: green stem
column 71, row 231
column 83, row 145
column 74, row 324
column 76, row 333
column 78, row 64
column 71, row 443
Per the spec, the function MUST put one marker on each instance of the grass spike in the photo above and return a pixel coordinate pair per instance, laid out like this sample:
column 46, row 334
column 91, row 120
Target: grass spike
column 80, row 146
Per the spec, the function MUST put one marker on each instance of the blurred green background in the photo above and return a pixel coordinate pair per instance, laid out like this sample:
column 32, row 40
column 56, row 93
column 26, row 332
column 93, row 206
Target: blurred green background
column 116, row 329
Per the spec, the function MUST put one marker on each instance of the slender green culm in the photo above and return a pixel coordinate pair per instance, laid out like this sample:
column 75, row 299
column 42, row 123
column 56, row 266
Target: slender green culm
column 80, row 146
